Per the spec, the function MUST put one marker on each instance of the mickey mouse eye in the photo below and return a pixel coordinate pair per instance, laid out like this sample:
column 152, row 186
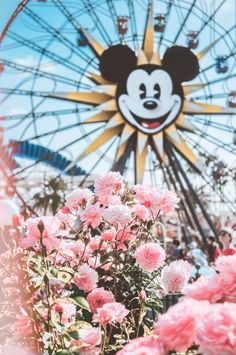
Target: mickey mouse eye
column 142, row 88
column 158, row 91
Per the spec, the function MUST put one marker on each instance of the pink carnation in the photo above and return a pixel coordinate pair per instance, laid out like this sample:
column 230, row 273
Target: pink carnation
column 150, row 256
column 148, row 345
column 118, row 214
column 177, row 327
column 51, row 229
column 92, row 215
column 86, row 279
column 110, row 313
column 141, row 212
column 78, row 197
column 226, row 264
column 98, row 297
column 216, row 331
column 22, row 327
column 176, row 275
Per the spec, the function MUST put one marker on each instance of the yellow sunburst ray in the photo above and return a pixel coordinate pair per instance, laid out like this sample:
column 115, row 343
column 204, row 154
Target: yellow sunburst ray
column 155, row 59
column 158, row 145
column 100, row 117
column 106, row 89
column 113, row 128
column 205, row 50
column 141, row 141
column 98, row 79
column 126, row 134
column 190, row 88
column 148, row 39
column 93, row 98
column 94, row 44
column 184, row 123
column 142, row 59
column 140, row 162
column 108, row 106
column 179, row 143
column 192, row 107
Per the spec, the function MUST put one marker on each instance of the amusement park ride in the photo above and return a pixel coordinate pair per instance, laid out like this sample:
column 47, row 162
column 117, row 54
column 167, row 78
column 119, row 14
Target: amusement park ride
column 143, row 87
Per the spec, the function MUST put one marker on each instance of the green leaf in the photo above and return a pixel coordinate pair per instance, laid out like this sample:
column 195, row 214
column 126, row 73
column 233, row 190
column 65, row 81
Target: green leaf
column 63, row 352
column 81, row 301
column 64, row 276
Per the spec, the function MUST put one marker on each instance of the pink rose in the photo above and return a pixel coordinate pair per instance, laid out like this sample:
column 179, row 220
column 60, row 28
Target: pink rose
column 175, row 276
column 108, row 235
column 226, row 264
column 88, row 336
column 67, row 310
column 92, row 215
column 51, row 229
column 118, row 214
column 110, row 313
column 177, row 327
column 78, row 197
column 89, row 350
column 150, row 256
column 148, row 345
column 208, row 288
column 141, row 212
column 98, row 297
column 109, row 184
column 216, row 331
column 22, row 327
column 86, row 279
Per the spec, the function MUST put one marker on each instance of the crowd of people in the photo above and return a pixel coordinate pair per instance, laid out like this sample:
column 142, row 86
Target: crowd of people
column 203, row 257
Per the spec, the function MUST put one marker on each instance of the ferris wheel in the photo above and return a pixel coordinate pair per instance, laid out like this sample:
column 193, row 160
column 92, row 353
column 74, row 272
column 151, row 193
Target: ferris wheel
column 144, row 87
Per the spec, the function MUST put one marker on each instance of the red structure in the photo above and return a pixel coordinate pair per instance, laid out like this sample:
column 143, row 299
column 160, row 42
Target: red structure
column 122, row 25
column 192, row 39
column 159, row 22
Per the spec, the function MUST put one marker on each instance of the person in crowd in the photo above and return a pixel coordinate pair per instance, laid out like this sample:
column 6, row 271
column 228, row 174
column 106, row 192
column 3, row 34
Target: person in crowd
column 226, row 236
column 212, row 247
column 195, row 255
column 177, row 253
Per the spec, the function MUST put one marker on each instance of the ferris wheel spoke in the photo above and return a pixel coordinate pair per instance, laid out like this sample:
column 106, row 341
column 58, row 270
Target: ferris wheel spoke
column 43, row 51
column 43, row 114
column 192, row 107
column 169, row 8
column 59, row 36
column 56, row 151
column 100, row 27
column 133, row 22
column 217, row 125
column 40, row 73
column 211, row 96
column 114, row 16
column 184, row 22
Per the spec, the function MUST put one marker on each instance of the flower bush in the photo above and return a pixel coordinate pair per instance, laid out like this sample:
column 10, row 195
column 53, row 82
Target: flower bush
column 88, row 281
column 92, row 272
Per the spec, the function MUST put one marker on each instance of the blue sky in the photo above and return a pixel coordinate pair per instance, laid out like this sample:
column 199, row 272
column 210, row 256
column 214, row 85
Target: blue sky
column 7, row 8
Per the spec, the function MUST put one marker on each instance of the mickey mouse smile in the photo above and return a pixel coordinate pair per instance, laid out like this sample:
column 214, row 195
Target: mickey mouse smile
column 150, row 123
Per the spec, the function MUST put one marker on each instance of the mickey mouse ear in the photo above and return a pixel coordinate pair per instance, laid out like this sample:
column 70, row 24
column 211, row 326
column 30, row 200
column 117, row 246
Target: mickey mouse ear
column 181, row 63
column 116, row 62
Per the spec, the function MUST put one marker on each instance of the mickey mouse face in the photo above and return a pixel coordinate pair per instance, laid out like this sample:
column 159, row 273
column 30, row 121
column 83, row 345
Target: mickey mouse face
column 149, row 103
column 149, row 97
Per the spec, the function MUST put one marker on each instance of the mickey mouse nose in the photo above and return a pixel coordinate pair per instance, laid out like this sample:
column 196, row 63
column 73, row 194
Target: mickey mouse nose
column 150, row 105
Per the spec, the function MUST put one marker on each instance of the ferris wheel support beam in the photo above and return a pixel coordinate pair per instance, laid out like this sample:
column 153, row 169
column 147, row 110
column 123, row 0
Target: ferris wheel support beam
column 196, row 197
column 182, row 204
column 188, row 201
column 170, row 4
